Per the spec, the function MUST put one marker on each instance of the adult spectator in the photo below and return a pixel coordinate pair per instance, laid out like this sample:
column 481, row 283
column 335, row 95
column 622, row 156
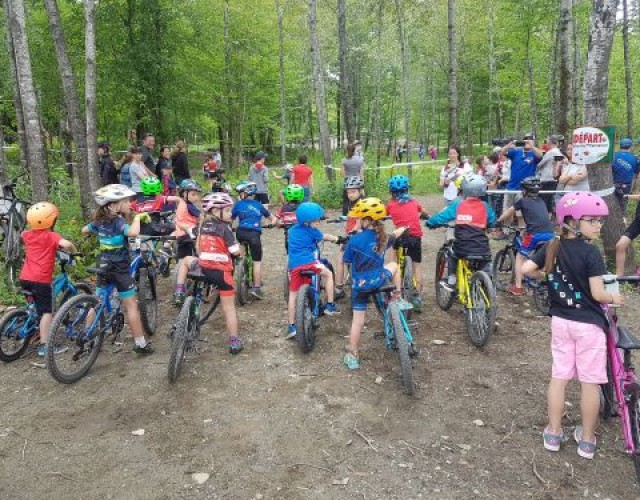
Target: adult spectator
column 180, row 163
column 351, row 166
column 625, row 171
column 138, row 171
column 164, row 162
column 259, row 174
column 524, row 160
column 124, row 175
column 108, row 171
column 303, row 175
column 148, row 143
column 571, row 176
column 359, row 152
column 545, row 171
column 453, row 169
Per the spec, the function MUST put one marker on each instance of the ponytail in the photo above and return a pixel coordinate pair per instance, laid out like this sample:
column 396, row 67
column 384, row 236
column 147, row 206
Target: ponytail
column 103, row 214
column 381, row 235
column 553, row 248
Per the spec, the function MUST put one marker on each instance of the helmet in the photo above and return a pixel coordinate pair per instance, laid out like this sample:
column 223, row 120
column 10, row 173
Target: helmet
column 151, row 186
column 189, row 185
column 474, row 185
column 308, row 212
column 216, row 200
column 42, row 215
column 398, row 183
column 369, row 207
column 353, row 182
column 288, row 167
column 531, row 185
column 578, row 204
column 112, row 193
column 458, row 182
column 294, row 192
column 248, row 187
column 626, row 143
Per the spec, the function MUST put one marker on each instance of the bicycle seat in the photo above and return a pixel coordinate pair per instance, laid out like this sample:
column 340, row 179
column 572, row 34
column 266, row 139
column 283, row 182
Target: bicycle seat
column 626, row 339
column 389, row 287
column 27, row 293
column 196, row 277
column 478, row 257
column 308, row 273
column 96, row 270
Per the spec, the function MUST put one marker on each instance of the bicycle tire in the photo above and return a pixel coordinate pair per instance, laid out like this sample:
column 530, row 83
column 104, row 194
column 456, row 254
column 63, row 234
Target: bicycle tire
column 305, row 330
column 503, row 268
column 207, row 309
column 408, row 288
column 541, row 298
column 179, row 342
column 241, row 279
column 285, row 286
column 81, row 287
column 444, row 298
column 147, row 301
column 15, row 320
column 634, row 418
column 608, row 396
column 480, row 320
column 58, row 336
column 402, row 348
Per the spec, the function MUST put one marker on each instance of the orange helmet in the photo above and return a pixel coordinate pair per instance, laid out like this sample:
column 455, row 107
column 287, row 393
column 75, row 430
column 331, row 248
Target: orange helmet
column 42, row 215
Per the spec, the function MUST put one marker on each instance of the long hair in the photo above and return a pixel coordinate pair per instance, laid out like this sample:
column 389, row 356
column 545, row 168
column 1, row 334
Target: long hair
column 103, row 214
column 351, row 149
column 553, row 248
column 381, row 235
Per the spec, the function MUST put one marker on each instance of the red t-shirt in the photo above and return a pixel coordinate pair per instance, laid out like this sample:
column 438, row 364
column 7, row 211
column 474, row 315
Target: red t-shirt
column 217, row 242
column 40, row 248
column 149, row 204
column 301, row 174
column 406, row 215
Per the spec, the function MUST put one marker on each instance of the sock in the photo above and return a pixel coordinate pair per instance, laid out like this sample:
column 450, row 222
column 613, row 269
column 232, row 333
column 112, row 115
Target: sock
column 141, row 341
column 181, row 288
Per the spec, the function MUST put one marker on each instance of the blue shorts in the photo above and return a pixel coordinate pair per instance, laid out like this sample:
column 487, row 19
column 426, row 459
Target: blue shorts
column 531, row 241
column 360, row 295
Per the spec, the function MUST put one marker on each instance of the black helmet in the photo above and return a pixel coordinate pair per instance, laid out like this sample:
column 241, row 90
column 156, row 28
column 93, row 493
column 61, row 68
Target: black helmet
column 531, row 185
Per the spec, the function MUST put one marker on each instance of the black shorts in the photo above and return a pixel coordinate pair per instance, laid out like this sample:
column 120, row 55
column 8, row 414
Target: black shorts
column 116, row 272
column 263, row 198
column 252, row 238
column 633, row 231
column 42, row 296
column 185, row 248
column 222, row 280
column 413, row 244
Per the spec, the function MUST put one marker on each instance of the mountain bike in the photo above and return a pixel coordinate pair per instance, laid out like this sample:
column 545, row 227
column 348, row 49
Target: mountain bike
column 474, row 289
column 186, row 330
column 243, row 272
column 503, row 270
column 20, row 327
column 12, row 223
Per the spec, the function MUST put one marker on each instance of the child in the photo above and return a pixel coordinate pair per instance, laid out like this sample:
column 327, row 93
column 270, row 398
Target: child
column 216, row 245
column 365, row 252
column 153, row 202
column 41, row 243
column 187, row 215
column 303, row 244
column 573, row 269
column 286, row 177
column 286, row 215
column 539, row 227
column 472, row 217
column 405, row 212
column 249, row 213
column 112, row 230
column 354, row 188
column 166, row 173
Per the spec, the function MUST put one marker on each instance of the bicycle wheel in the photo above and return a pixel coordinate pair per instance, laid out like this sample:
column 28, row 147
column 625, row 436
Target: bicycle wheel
column 73, row 344
column 285, row 287
column 541, row 298
column 408, row 288
column 242, row 281
column 634, row 418
column 211, row 299
column 481, row 316
column 608, row 396
column 68, row 293
column 402, row 347
column 184, row 325
column 147, row 301
column 503, row 268
column 12, row 343
column 305, row 328
column 444, row 297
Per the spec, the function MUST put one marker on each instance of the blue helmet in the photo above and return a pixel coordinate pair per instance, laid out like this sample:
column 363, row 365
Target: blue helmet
column 308, row 212
column 626, row 143
column 398, row 183
column 247, row 187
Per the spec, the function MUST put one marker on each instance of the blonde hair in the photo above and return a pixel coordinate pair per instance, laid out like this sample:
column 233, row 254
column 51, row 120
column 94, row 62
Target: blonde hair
column 180, row 145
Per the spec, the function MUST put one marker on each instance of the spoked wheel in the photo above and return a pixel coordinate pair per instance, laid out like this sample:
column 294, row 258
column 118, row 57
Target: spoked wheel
column 242, row 281
column 147, row 300
column 444, row 297
column 634, row 417
column 210, row 301
column 285, row 286
column 481, row 316
column 503, row 269
column 541, row 298
column 14, row 257
column 75, row 339
column 14, row 340
column 185, row 330
column 608, row 396
column 68, row 293
column 305, row 327
column 402, row 347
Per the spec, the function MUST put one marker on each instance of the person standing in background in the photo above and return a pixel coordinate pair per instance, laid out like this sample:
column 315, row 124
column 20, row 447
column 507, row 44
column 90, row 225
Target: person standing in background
column 180, row 163
column 303, row 175
column 351, row 166
column 148, row 143
column 259, row 174
column 108, row 171
column 624, row 170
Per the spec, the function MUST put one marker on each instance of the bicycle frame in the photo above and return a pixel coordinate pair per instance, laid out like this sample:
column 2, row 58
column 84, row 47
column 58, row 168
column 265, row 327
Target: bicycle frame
column 464, row 274
column 389, row 333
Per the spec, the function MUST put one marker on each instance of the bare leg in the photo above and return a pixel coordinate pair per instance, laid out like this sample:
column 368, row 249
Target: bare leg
column 621, row 253
column 292, row 307
column 133, row 316
column 183, row 269
column 230, row 317
column 356, row 330
column 328, row 277
column 257, row 274
column 417, row 274
column 520, row 260
column 555, row 402
column 45, row 326
column 340, row 273
column 396, row 278
column 589, row 409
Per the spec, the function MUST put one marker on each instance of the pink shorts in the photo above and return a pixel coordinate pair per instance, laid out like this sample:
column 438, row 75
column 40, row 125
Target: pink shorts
column 579, row 350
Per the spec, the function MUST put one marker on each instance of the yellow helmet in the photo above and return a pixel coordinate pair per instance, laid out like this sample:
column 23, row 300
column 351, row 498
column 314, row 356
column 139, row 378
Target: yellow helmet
column 42, row 215
column 369, row 207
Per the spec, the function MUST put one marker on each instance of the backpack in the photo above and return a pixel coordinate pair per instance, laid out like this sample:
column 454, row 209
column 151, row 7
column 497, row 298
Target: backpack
column 125, row 175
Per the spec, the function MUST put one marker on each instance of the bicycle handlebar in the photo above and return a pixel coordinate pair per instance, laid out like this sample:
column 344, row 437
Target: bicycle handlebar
column 622, row 279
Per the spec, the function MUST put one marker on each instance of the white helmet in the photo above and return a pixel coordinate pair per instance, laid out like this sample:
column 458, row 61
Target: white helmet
column 112, row 193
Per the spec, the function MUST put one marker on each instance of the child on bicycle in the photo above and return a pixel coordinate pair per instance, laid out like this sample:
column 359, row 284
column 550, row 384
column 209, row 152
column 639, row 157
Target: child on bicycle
column 405, row 212
column 153, row 202
column 41, row 243
column 472, row 217
column 538, row 226
column 573, row 268
column 365, row 251
column 286, row 215
column 303, row 245
column 249, row 213
column 112, row 230
column 187, row 215
column 354, row 187
column 216, row 246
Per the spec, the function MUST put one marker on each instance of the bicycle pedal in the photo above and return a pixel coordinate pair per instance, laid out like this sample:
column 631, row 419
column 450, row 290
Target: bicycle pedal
column 414, row 352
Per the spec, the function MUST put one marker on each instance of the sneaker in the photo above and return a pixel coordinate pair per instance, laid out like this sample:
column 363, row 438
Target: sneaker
column 147, row 349
column 42, row 350
column 291, row 332
column 331, row 309
column 339, row 294
column 352, row 362
column 235, row 345
column 417, row 303
column 178, row 299
column 257, row 293
column 586, row 449
column 516, row 291
column 447, row 286
column 552, row 442
column 404, row 305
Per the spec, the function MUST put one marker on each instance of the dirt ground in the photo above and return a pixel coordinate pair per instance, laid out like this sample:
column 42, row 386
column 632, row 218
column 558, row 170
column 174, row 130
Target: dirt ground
column 273, row 423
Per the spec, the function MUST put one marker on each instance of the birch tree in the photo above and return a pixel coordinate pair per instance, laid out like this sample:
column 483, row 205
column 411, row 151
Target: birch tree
column 628, row 82
column 283, row 102
column 564, row 81
column 453, row 72
column 404, row 56
column 90, row 93
column 346, row 77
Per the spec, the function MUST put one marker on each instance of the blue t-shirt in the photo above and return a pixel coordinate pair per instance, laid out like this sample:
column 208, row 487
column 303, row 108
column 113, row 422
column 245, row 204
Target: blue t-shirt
column 366, row 264
column 249, row 214
column 303, row 243
column 112, row 236
column 523, row 164
column 625, row 167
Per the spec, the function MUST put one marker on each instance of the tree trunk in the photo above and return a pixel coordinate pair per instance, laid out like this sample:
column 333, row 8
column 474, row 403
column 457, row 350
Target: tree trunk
column 4, row 173
column 90, row 93
column 377, row 127
column 627, row 67
column 564, row 63
column 469, row 113
column 533, row 102
column 453, row 73
column 321, row 99
column 283, row 101
column 346, row 75
column 405, row 81
column 554, row 54
column 29, row 101
column 72, row 105
column 577, row 70
column 516, row 126
column 492, row 68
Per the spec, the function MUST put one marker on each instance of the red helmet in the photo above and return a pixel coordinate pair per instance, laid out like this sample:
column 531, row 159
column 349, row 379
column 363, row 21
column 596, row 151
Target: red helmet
column 216, row 200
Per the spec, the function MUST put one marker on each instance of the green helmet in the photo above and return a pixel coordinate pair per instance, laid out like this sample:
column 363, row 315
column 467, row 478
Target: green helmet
column 151, row 186
column 294, row 192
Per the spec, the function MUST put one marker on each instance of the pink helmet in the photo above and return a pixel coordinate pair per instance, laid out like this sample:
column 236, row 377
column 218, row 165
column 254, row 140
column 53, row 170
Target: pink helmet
column 216, row 200
column 579, row 204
